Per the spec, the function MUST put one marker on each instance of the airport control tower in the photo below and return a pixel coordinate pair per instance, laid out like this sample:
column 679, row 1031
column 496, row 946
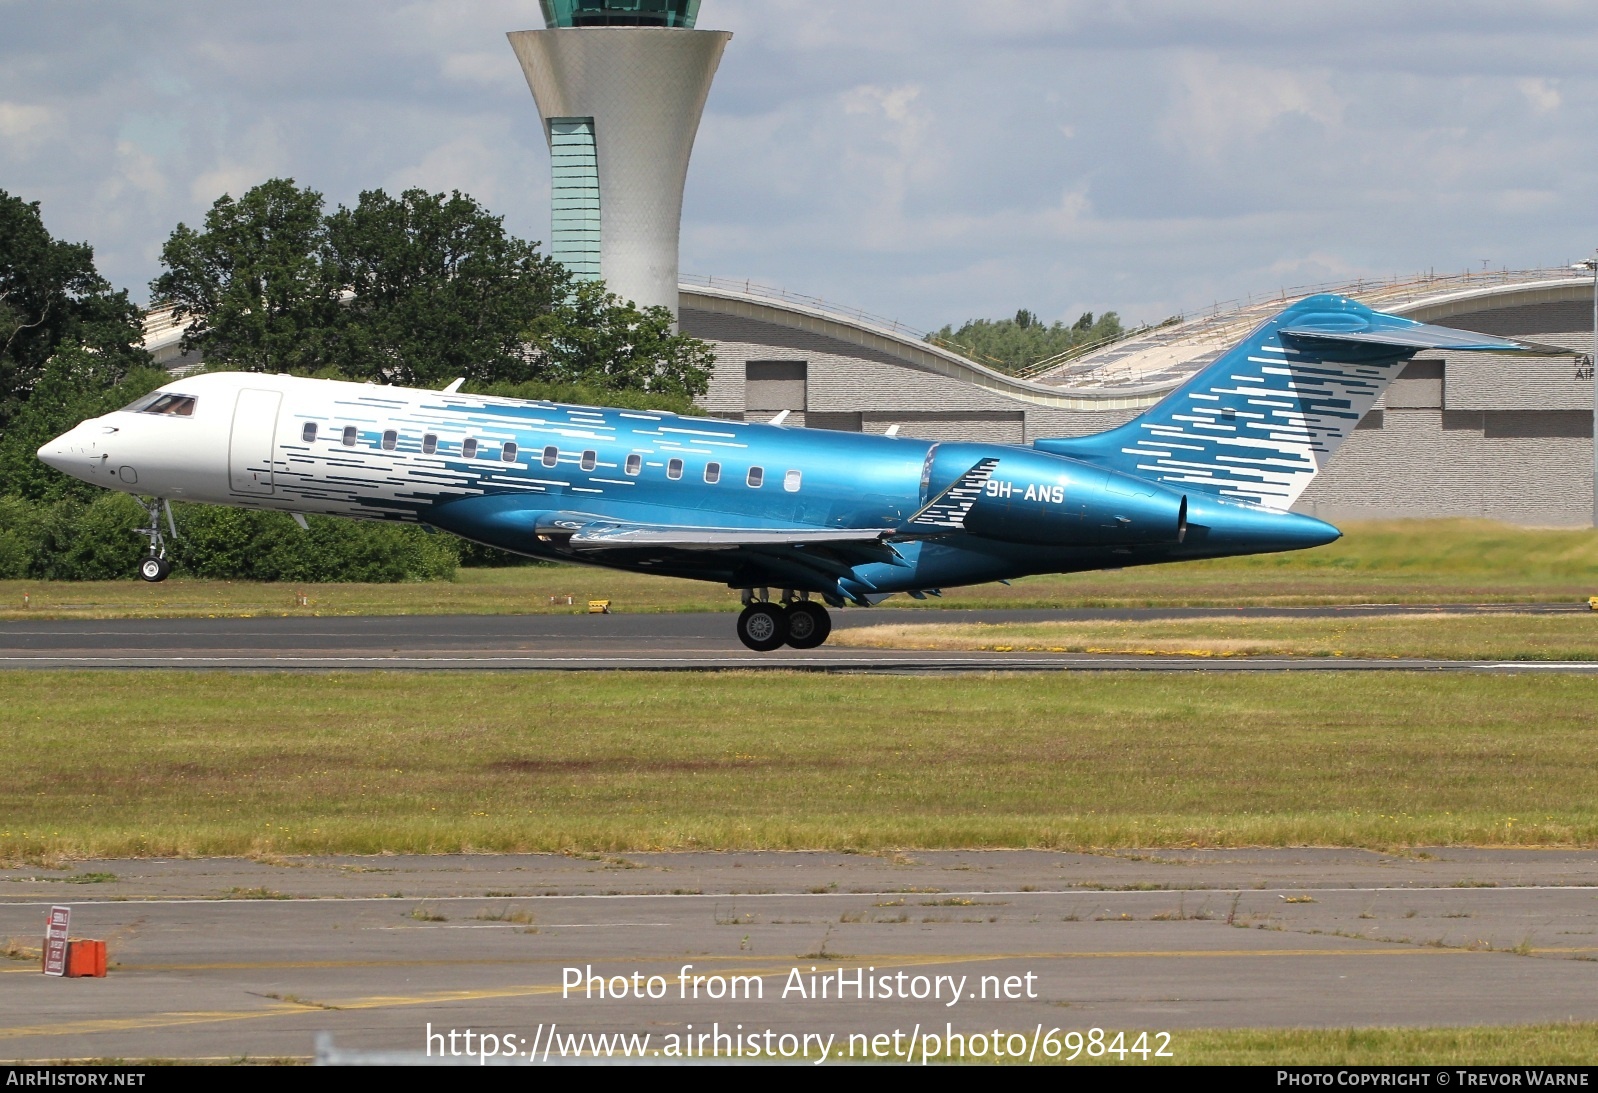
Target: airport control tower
column 620, row 86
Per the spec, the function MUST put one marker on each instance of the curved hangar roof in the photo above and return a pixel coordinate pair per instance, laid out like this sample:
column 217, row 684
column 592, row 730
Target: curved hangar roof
column 1133, row 372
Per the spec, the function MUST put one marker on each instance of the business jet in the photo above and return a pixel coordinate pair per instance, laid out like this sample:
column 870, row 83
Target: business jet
column 797, row 519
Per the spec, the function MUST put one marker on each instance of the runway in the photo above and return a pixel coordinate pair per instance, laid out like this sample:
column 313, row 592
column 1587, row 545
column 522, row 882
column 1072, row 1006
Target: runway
column 644, row 642
column 224, row 959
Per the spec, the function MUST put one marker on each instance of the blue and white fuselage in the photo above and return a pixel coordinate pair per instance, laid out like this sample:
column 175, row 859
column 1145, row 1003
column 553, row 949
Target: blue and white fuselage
column 1210, row 471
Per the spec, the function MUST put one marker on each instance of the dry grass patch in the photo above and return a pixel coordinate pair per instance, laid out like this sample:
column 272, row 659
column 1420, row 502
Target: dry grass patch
column 1503, row 636
column 1566, row 1044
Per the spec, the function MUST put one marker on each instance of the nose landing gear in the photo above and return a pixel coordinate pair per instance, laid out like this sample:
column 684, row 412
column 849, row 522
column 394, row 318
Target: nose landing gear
column 154, row 567
column 795, row 621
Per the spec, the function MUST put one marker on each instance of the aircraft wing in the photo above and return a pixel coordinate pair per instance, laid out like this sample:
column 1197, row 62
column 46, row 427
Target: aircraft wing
column 591, row 534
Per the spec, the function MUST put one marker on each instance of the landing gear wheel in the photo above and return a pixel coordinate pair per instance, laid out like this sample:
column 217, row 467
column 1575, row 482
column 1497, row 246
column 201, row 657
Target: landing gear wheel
column 154, row 569
column 808, row 624
column 763, row 626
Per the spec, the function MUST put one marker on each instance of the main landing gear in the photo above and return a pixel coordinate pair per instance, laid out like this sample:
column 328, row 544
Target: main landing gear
column 154, row 566
column 795, row 621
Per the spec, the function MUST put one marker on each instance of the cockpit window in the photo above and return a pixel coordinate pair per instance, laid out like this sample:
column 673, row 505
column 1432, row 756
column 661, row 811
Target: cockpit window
column 163, row 402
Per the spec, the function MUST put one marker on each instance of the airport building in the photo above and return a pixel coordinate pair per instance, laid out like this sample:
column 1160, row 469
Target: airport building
column 1472, row 434
column 620, row 87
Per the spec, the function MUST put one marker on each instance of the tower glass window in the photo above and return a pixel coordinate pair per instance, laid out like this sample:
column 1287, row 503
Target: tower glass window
column 620, row 13
column 574, row 199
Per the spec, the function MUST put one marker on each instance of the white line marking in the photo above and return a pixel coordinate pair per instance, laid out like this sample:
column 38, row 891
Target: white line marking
column 1096, row 893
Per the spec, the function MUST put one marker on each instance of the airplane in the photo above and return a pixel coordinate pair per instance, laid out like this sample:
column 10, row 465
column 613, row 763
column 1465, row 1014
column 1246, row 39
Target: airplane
column 827, row 518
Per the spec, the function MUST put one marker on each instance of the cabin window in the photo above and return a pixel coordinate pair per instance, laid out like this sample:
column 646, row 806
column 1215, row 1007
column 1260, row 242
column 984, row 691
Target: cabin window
column 308, row 433
column 590, row 460
column 390, row 439
column 551, row 456
column 635, row 464
column 469, row 448
column 349, row 436
column 791, row 480
column 674, row 469
column 172, row 406
column 757, row 476
column 429, row 443
column 712, row 473
column 508, row 452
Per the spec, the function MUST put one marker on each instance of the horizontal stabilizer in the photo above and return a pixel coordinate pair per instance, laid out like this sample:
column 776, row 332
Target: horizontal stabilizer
column 1414, row 336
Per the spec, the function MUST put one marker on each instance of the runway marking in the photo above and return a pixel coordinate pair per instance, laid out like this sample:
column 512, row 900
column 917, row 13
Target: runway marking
column 882, row 962
column 1544, row 665
column 523, row 926
column 1104, row 893
column 969, row 662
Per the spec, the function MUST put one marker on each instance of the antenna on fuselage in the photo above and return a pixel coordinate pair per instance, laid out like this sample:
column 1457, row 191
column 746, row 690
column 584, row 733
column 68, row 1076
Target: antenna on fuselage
column 780, row 418
column 454, row 386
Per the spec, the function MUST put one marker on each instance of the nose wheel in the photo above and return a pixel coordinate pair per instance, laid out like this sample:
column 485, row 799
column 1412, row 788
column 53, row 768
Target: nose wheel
column 154, row 567
column 801, row 624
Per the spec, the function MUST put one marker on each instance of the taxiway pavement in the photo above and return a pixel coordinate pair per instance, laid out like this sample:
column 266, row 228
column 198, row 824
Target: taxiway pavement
column 658, row 642
column 223, row 959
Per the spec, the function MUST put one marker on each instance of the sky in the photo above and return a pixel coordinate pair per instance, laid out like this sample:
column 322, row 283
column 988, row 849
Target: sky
column 924, row 160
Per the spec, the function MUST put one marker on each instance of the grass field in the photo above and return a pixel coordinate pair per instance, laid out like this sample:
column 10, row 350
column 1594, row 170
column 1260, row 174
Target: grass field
column 134, row 764
column 1433, row 561
column 1569, row 1044
column 1441, row 637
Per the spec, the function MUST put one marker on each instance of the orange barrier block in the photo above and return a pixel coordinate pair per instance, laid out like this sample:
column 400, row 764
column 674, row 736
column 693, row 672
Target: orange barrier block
column 85, row 959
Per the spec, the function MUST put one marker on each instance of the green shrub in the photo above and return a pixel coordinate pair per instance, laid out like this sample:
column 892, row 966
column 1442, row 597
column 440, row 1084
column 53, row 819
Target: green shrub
column 69, row 539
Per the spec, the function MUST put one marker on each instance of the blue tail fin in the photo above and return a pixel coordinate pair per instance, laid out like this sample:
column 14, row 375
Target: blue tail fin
column 1259, row 423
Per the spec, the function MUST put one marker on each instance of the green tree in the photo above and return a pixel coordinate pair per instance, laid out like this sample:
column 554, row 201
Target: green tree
column 598, row 341
column 1013, row 345
column 438, row 290
column 256, row 285
column 415, row 290
column 76, row 384
column 50, row 294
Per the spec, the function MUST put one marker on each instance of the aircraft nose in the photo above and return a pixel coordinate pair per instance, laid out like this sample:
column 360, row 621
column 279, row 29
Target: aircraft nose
column 58, row 452
column 74, row 450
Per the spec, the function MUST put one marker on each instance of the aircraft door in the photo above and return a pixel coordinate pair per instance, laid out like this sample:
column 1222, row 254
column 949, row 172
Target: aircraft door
column 254, row 437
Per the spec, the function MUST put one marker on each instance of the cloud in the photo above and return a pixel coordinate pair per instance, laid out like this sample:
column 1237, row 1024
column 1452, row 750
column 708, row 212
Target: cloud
column 485, row 68
column 1541, row 94
column 22, row 125
column 931, row 162
column 1219, row 106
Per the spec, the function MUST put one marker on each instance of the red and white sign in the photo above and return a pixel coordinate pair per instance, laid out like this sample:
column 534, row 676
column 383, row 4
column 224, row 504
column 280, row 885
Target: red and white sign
column 55, row 941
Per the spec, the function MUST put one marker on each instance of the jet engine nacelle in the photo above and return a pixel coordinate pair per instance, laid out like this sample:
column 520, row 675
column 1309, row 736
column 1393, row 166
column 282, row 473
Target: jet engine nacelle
column 1034, row 497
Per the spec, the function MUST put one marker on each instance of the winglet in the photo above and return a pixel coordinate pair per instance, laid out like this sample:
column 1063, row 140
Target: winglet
column 948, row 510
